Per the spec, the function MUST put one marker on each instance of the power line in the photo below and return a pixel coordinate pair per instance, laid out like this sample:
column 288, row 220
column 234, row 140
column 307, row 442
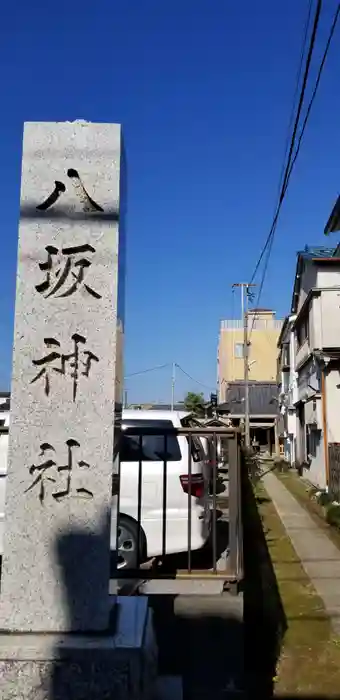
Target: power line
column 149, row 369
column 295, row 95
column 302, row 94
column 330, row 37
column 287, row 171
column 269, row 242
column 168, row 364
column 193, row 379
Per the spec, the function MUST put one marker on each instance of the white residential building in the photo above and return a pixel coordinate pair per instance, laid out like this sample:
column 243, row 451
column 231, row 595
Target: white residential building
column 316, row 328
column 287, row 382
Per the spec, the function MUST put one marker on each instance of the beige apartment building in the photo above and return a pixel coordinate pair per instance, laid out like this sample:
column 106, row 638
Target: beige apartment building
column 264, row 330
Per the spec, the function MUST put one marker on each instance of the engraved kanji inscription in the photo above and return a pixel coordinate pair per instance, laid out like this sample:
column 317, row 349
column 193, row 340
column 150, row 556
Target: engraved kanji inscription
column 88, row 204
column 65, row 271
column 52, row 198
column 48, row 471
column 76, row 363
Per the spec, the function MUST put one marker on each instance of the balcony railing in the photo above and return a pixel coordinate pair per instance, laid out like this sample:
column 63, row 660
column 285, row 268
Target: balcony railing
column 259, row 324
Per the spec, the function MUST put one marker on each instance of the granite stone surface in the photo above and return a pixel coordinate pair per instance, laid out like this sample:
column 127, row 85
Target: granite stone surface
column 119, row 665
column 55, row 572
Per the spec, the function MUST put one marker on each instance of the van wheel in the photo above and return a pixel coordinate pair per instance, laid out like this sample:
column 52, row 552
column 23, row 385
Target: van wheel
column 128, row 543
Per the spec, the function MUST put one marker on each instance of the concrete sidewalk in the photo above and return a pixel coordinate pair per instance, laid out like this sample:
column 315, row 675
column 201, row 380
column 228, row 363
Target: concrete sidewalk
column 320, row 558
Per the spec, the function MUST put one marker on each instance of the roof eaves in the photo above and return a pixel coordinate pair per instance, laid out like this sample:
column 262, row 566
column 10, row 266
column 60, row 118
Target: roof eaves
column 333, row 223
column 297, row 282
column 314, row 255
column 283, row 330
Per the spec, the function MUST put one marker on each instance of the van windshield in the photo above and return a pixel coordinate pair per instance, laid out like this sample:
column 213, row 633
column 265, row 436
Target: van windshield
column 149, row 448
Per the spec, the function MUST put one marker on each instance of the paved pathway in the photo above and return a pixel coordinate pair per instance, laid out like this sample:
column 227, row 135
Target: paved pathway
column 319, row 556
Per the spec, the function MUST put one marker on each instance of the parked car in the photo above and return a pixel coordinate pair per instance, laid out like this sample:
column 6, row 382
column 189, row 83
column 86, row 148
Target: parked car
column 151, row 448
column 152, row 470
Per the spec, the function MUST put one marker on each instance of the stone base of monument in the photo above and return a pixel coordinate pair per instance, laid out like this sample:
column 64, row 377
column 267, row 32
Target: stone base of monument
column 120, row 664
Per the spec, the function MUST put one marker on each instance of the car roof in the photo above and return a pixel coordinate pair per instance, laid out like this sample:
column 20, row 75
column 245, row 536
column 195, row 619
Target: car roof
column 150, row 415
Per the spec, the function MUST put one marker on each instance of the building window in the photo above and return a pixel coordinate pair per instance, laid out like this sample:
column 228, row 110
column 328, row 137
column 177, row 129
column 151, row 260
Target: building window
column 313, row 441
column 238, row 350
column 302, row 331
column 285, row 382
column 285, row 356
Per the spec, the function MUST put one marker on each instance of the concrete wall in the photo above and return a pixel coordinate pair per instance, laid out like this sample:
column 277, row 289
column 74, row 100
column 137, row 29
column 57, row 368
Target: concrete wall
column 329, row 318
column 332, row 383
column 315, row 323
column 316, row 472
column 308, row 281
column 328, row 275
column 290, row 437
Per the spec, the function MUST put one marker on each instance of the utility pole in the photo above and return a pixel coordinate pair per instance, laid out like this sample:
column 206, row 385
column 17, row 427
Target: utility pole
column 173, row 381
column 246, row 374
column 244, row 286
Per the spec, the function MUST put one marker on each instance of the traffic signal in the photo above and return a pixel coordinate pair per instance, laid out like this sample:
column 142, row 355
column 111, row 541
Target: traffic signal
column 213, row 399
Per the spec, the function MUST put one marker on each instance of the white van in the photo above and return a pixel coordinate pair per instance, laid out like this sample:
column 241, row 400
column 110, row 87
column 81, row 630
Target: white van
column 156, row 530
column 152, row 470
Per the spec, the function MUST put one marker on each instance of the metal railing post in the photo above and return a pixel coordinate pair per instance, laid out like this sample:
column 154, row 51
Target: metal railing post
column 233, row 503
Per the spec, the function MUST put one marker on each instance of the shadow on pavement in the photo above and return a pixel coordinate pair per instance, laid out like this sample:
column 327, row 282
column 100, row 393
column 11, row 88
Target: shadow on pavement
column 200, row 639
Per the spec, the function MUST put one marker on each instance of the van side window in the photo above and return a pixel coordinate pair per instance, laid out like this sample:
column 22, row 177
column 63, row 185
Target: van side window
column 149, row 448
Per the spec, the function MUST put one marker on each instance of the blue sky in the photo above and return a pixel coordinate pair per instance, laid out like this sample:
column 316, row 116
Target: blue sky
column 203, row 89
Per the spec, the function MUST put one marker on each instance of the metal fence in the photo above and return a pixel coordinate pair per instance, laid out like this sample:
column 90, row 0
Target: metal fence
column 222, row 555
column 334, row 470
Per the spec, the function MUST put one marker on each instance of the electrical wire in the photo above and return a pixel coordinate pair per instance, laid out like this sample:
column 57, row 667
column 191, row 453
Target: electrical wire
column 193, row 379
column 270, row 239
column 169, row 364
column 286, row 170
column 295, row 97
column 330, row 37
column 150, row 369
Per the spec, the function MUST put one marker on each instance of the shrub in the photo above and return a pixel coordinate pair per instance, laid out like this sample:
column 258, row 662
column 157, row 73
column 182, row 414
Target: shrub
column 252, row 463
column 333, row 515
column 324, row 499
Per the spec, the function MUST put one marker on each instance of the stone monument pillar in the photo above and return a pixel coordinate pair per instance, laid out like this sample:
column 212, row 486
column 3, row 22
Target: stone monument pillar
column 65, row 408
